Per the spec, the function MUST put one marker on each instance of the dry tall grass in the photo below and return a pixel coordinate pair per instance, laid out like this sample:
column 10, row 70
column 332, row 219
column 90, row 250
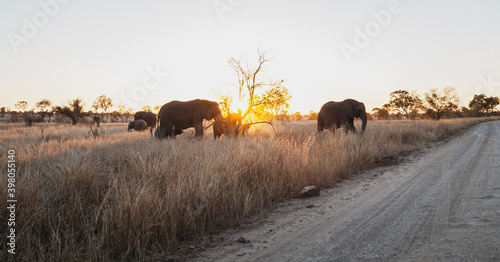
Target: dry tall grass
column 125, row 196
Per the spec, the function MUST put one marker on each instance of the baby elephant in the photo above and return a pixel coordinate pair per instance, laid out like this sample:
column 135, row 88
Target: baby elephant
column 138, row 125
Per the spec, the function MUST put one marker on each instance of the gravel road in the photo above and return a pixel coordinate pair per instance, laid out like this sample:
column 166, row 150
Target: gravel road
column 442, row 204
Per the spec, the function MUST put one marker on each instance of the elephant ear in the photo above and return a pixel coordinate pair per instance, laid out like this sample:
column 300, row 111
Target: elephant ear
column 360, row 109
column 213, row 110
column 349, row 110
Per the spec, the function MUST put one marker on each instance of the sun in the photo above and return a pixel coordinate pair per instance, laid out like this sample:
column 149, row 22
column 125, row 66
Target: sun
column 241, row 105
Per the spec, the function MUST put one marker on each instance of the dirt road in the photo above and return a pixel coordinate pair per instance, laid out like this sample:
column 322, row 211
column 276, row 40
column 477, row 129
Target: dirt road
column 442, row 204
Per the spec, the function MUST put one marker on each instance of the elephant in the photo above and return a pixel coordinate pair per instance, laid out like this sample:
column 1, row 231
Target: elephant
column 138, row 125
column 228, row 126
column 336, row 114
column 176, row 116
column 149, row 117
column 160, row 135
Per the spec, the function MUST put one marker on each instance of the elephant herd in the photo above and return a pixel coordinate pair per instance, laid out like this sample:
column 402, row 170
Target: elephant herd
column 176, row 116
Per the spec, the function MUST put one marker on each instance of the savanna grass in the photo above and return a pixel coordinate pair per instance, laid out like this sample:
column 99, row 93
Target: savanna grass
column 123, row 196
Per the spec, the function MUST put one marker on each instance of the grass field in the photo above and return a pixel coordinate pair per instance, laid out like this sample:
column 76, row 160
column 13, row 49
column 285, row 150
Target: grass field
column 123, row 196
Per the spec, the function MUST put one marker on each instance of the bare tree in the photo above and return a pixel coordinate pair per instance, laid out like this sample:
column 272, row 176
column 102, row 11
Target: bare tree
column 248, row 78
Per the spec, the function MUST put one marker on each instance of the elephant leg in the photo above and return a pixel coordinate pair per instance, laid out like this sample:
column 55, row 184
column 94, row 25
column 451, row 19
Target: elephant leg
column 198, row 127
column 169, row 130
column 217, row 133
column 350, row 126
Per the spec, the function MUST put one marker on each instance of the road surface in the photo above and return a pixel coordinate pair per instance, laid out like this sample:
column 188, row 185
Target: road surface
column 441, row 205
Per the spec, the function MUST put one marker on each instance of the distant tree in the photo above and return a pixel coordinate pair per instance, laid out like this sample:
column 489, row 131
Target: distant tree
column 3, row 110
column 437, row 103
column 116, row 116
column 380, row 113
column 52, row 111
column 225, row 104
column 74, row 111
column 491, row 103
column 147, row 108
column 103, row 103
column 43, row 107
column 22, row 105
column 466, row 112
column 27, row 115
column 404, row 102
column 484, row 104
column 122, row 110
column 157, row 108
column 312, row 115
column 277, row 99
column 14, row 116
column 414, row 113
column 297, row 116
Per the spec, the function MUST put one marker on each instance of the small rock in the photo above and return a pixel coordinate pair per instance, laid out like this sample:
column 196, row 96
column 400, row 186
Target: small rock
column 243, row 240
column 309, row 191
column 242, row 254
column 310, row 206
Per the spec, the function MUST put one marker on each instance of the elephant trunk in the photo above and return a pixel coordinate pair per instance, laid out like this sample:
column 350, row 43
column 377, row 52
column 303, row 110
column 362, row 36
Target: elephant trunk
column 364, row 120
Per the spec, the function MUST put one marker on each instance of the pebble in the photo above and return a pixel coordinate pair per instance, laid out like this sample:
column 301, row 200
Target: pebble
column 243, row 240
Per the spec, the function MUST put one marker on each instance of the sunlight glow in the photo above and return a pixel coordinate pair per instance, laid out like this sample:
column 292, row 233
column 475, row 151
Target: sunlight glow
column 240, row 105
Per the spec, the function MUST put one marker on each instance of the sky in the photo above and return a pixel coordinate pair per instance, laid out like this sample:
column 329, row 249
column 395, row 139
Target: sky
column 152, row 52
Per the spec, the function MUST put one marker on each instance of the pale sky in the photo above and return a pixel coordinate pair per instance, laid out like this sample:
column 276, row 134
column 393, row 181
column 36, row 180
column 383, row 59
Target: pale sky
column 151, row 52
